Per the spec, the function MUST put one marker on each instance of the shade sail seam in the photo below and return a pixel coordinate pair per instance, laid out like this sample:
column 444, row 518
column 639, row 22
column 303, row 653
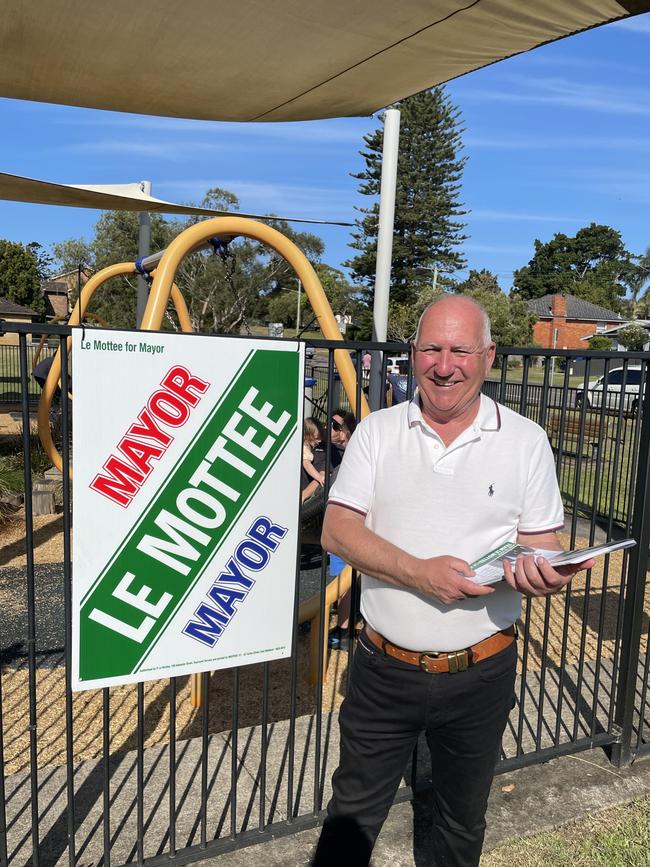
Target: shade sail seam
column 367, row 59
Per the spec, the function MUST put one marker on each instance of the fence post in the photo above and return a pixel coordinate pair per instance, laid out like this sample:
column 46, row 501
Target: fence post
column 622, row 752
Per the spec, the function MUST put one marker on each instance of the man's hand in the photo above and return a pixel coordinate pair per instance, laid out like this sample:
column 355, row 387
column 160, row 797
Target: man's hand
column 445, row 579
column 534, row 576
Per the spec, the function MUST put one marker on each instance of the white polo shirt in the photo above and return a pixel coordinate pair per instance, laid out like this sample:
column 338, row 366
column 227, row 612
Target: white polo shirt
column 497, row 479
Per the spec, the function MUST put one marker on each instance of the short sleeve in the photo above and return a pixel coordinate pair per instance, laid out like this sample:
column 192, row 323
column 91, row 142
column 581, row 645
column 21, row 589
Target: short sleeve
column 354, row 481
column 543, row 510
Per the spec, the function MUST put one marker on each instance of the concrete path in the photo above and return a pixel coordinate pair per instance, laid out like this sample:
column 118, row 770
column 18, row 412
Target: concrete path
column 522, row 803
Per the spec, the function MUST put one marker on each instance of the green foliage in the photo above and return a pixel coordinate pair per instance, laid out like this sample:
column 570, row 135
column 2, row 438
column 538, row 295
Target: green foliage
column 479, row 281
column 633, row 337
column 403, row 318
column 21, row 270
column 593, row 265
column 115, row 240
column 599, row 341
column 283, row 308
column 427, row 211
column 222, row 292
column 636, row 278
column 511, row 319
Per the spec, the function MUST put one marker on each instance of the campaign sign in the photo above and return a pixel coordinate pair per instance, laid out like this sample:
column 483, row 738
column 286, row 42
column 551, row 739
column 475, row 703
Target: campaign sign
column 186, row 456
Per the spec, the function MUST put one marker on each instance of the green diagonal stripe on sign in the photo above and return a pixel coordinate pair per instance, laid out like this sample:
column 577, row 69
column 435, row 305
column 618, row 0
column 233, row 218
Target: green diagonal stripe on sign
column 189, row 518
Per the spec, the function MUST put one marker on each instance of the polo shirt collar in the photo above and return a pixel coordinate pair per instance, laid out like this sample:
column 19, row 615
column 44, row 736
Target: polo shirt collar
column 488, row 417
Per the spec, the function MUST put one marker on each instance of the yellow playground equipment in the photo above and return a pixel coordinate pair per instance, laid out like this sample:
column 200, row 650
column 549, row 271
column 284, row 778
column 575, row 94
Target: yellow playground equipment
column 164, row 267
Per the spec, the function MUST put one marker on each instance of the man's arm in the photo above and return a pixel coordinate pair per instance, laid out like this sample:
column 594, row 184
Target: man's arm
column 535, row 576
column 345, row 534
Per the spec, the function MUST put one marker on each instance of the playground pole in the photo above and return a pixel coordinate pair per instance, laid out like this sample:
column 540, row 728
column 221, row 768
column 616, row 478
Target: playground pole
column 144, row 248
column 384, row 248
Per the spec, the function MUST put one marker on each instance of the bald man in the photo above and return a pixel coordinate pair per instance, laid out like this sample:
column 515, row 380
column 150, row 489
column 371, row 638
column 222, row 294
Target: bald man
column 425, row 488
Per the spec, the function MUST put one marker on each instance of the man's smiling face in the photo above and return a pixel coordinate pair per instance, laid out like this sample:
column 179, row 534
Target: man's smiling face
column 451, row 360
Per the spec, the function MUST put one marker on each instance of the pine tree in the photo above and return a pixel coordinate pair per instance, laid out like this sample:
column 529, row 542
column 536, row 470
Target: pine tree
column 427, row 211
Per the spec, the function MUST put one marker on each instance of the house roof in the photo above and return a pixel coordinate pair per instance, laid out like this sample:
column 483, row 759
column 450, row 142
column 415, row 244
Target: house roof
column 576, row 308
column 613, row 332
column 8, row 308
column 55, row 287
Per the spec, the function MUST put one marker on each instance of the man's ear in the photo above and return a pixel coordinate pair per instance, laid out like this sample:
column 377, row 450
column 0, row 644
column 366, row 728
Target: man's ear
column 490, row 356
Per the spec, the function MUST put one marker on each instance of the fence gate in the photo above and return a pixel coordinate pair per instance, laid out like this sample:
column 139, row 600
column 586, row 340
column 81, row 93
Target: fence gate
column 137, row 774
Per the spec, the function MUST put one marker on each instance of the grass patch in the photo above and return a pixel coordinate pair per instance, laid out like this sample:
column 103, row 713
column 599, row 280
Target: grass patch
column 536, row 376
column 10, row 391
column 618, row 837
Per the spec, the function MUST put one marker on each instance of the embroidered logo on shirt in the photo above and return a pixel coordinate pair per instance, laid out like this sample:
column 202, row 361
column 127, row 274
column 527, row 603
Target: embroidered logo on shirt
column 491, row 490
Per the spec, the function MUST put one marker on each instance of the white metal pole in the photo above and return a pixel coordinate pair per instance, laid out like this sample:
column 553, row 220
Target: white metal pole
column 384, row 246
column 144, row 248
column 298, row 310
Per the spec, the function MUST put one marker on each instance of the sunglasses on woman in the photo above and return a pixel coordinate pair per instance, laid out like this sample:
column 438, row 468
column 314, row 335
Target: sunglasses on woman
column 336, row 425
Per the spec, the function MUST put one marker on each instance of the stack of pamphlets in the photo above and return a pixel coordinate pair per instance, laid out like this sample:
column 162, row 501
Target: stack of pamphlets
column 489, row 567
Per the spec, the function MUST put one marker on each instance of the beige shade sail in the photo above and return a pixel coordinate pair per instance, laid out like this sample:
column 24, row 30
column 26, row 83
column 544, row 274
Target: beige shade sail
column 271, row 60
column 115, row 197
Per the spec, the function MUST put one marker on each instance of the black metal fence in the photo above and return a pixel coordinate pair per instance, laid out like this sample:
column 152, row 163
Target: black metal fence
column 10, row 391
column 134, row 774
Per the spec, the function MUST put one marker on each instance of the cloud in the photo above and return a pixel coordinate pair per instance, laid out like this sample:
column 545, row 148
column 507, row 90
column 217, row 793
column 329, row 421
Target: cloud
column 628, row 185
column 288, row 200
column 558, row 143
column 568, row 93
column 637, row 24
column 499, row 216
column 497, row 248
column 554, row 57
column 158, row 150
column 335, row 131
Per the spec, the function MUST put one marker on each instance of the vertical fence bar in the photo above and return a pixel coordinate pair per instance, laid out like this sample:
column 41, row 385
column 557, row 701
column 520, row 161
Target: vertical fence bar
column 106, row 787
column 205, row 732
column 31, row 601
column 3, row 803
column 140, row 774
column 644, row 696
column 235, row 750
column 67, row 597
column 622, row 753
column 263, row 744
column 322, row 625
column 173, row 685
column 293, row 684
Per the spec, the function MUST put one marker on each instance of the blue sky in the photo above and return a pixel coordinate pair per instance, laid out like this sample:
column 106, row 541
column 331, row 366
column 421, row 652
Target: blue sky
column 555, row 139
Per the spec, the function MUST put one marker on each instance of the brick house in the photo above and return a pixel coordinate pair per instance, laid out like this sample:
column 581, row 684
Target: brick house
column 56, row 295
column 10, row 312
column 564, row 320
column 59, row 290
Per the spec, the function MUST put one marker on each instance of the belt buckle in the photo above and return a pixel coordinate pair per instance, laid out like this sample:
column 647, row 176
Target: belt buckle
column 458, row 660
column 422, row 660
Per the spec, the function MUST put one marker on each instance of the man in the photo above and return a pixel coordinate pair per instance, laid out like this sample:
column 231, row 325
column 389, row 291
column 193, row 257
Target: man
column 426, row 488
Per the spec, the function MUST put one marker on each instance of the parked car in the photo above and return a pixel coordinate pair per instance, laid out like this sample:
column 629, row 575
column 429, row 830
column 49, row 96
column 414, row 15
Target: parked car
column 310, row 352
column 398, row 364
column 598, row 393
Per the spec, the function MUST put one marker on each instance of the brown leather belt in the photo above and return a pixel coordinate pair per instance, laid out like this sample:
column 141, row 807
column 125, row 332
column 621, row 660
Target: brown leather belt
column 445, row 663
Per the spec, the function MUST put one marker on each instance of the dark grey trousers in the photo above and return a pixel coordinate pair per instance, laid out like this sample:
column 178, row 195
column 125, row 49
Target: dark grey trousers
column 389, row 703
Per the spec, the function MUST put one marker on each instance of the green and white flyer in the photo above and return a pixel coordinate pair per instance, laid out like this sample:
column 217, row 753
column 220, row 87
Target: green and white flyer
column 186, row 456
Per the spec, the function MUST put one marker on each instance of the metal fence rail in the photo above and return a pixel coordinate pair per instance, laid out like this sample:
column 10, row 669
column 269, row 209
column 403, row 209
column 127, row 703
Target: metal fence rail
column 132, row 774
